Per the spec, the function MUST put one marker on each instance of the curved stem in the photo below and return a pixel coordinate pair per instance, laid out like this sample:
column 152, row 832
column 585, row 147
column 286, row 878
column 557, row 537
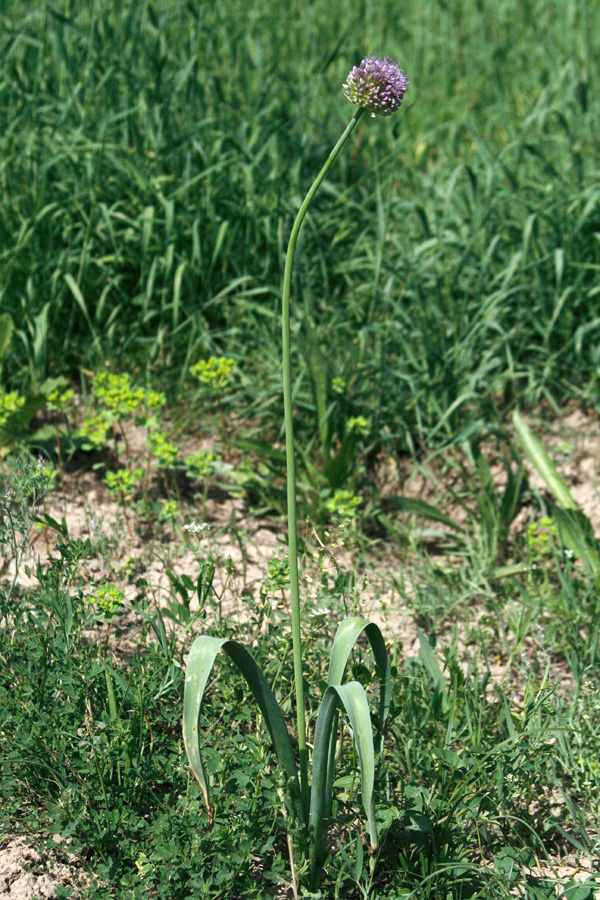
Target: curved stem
column 290, row 463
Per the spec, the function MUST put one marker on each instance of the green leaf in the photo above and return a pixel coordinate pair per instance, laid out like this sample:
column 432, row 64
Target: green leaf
column 507, row 571
column 419, row 822
column 349, row 631
column 59, row 527
column 80, row 300
column 428, row 658
column 201, row 658
column 346, row 636
column 317, row 366
column 6, row 332
column 576, row 533
column 538, row 457
column 158, row 627
column 508, row 863
column 354, row 700
column 575, row 890
column 182, row 585
column 419, row 508
column 205, row 582
column 265, row 451
column 574, row 527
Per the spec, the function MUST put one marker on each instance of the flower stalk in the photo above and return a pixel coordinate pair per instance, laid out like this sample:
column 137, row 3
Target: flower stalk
column 291, row 467
column 379, row 86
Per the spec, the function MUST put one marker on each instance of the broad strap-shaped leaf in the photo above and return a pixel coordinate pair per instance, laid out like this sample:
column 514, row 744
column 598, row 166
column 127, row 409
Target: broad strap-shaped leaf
column 349, row 631
column 202, row 656
column 354, row 700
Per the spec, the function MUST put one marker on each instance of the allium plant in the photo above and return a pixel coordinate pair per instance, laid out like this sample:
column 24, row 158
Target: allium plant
column 377, row 85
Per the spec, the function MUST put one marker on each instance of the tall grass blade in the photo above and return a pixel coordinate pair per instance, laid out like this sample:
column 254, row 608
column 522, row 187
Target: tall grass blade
column 577, row 534
column 80, row 300
column 432, row 667
column 574, row 527
column 413, row 507
column 6, row 333
column 538, row 457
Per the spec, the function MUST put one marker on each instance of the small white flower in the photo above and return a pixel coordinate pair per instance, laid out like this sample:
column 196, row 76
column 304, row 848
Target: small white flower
column 320, row 612
column 196, row 527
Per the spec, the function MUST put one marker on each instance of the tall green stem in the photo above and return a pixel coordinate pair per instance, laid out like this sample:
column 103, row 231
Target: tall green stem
column 291, row 473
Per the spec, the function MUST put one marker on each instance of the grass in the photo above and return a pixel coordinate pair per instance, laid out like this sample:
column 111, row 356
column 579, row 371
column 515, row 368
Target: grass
column 153, row 158
column 482, row 780
column 146, row 179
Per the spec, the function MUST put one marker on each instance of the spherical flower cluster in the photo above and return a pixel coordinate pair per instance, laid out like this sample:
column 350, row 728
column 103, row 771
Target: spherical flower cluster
column 377, row 85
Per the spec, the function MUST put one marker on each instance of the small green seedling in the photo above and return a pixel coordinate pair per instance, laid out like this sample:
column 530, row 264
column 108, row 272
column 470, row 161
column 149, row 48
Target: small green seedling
column 200, row 467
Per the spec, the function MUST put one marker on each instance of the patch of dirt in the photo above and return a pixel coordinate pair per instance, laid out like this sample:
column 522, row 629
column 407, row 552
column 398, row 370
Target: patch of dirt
column 27, row 875
column 242, row 546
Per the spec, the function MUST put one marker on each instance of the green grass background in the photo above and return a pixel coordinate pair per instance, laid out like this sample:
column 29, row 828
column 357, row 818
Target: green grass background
column 153, row 155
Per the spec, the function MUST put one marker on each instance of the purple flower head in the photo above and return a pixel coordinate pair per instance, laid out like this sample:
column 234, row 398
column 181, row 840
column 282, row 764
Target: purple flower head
column 377, row 85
